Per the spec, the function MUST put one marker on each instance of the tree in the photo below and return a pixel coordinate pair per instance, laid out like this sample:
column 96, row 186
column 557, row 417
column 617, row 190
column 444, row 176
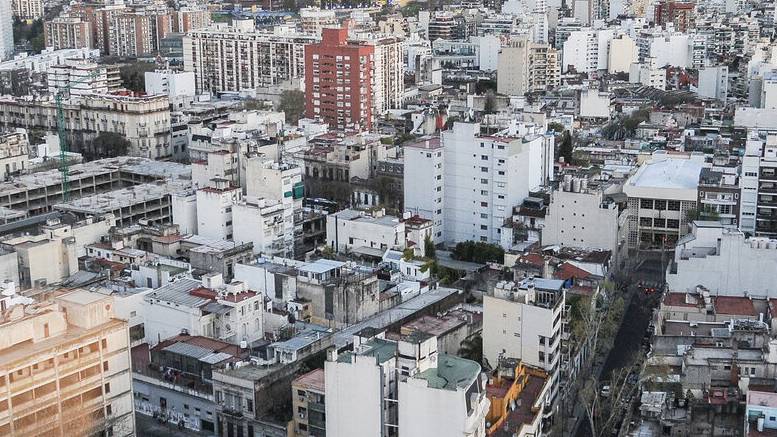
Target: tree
column 556, row 127
column 429, row 249
column 565, row 148
column 478, row 252
column 293, row 105
column 489, row 107
column 691, row 214
column 472, row 348
column 133, row 75
column 108, row 145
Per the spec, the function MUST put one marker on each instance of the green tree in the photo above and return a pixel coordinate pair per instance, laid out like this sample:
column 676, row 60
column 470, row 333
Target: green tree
column 133, row 75
column 108, row 145
column 556, row 127
column 293, row 105
column 429, row 249
column 478, row 252
column 472, row 348
column 565, row 148
column 489, row 107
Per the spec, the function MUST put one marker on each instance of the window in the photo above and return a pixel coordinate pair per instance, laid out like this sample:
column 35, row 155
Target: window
column 671, row 223
column 107, row 387
column 646, row 203
column 645, row 221
column 484, row 181
column 483, row 227
column 483, row 157
column 484, row 169
column 673, row 205
column 483, row 215
column 542, row 357
column 660, row 204
column 105, row 366
column 484, row 204
column 108, row 410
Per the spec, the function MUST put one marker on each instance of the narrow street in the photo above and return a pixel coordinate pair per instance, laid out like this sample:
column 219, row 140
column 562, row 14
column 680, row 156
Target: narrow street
column 628, row 340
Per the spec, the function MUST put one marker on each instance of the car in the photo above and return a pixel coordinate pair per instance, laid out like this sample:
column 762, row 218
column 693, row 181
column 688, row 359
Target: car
column 605, row 392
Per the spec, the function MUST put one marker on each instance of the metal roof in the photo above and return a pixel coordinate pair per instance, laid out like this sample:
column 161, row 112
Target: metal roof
column 178, row 293
column 188, row 350
column 215, row 357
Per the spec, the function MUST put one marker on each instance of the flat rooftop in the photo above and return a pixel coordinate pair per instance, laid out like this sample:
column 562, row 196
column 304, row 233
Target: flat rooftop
column 669, row 173
column 111, row 201
column 358, row 216
column 451, row 373
column 313, row 380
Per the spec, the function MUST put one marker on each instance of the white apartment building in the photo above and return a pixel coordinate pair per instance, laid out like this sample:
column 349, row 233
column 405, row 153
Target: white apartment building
column 424, row 168
column 579, row 217
column 623, row 53
column 648, row 73
column 523, row 321
column 352, row 230
column 723, row 260
column 14, row 153
column 403, row 387
column 65, row 364
column 669, row 48
column 258, row 58
column 177, row 86
column 486, row 176
column 661, row 193
column 214, row 209
column 28, row 10
column 79, row 78
column 312, row 19
column 227, row 312
column 586, row 50
column 6, row 30
column 713, row 82
column 261, row 222
column 758, row 182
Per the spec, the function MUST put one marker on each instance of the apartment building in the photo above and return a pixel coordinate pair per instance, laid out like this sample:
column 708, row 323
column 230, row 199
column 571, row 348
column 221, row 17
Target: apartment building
column 312, row 20
column 262, row 221
column 586, row 50
column 581, row 217
column 661, row 193
column 228, row 312
column 78, row 78
column 14, row 153
column 257, row 58
column 27, row 10
column 364, row 232
column 758, row 180
column 143, row 120
column 723, row 260
column 719, row 196
column 403, row 388
column 68, row 32
column 308, row 398
column 523, row 320
column 423, row 167
column 6, row 31
column 65, row 366
column 503, row 168
column 339, row 79
column 525, row 66
column 214, row 209
column 388, row 75
column 188, row 19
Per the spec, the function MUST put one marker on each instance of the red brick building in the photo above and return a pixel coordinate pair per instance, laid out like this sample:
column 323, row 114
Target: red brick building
column 679, row 13
column 338, row 81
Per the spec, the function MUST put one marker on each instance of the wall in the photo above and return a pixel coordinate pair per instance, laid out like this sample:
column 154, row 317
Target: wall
column 353, row 391
column 577, row 220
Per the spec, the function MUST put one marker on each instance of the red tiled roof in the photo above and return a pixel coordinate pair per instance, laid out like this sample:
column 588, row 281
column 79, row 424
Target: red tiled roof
column 205, row 293
column 734, row 305
column 567, row 271
column 678, row 300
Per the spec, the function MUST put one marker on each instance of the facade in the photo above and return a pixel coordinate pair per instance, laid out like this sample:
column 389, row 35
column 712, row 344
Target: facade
column 525, row 66
column 214, row 209
column 713, row 82
column 308, row 398
column 505, row 168
column 339, row 81
column 661, row 193
column 259, row 58
column 68, row 32
column 65, row 363
column 14, row 153
column 758, row 180
column 523, row 321
column 178, row 86
column 623, row 53
column 719, row 197
column 403, row 387
column 261, row 222
column 724, row 261
column 388, row 74
column 28, row 10
column 582, row 219
column 355, row 231
column 423, row 167
column 6, row 30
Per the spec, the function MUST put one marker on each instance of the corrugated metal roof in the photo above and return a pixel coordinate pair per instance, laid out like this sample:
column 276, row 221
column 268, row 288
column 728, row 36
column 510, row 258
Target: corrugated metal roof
column 188, row 350
column 215, row 357
column 178, row 293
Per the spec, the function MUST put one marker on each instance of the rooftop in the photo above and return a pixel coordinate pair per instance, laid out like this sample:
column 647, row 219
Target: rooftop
column 451, row 373
column 313, row 380
column 114, row 200
column 382, row 350
column 668, row 173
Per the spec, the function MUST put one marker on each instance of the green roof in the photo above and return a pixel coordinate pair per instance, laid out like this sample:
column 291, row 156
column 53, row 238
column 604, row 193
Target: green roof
column 451, row 373
column 382, row 350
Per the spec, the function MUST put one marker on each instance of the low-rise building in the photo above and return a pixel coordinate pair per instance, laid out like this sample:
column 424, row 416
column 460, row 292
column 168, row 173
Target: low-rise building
column 355, row 231
column 308, row 399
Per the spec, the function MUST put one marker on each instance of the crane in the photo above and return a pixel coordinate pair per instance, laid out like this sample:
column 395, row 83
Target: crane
column 64, row 167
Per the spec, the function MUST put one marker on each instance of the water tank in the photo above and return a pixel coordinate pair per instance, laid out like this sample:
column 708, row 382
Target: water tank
column 567, row 182
column 760, row 424
column 576, row 185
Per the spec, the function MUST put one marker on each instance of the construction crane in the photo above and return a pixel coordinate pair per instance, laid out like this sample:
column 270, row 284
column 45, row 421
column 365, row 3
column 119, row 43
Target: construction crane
column 64, row 167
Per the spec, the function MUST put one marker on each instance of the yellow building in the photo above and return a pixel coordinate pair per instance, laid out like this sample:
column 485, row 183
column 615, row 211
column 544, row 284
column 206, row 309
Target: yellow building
column 64, row 367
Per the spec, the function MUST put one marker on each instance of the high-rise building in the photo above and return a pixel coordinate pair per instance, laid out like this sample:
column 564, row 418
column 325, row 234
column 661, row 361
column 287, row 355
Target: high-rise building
column 339, row 81
column 240, row 57
column 68, row 32
column 187, row 20
column 758, row 181
column 388, row 74
column 27, row 10
column 423, row 167
column 65, row 367
column 678, row 13
column 6, row 30
column 403, row 388
column 523, row 321
column 525, row 66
